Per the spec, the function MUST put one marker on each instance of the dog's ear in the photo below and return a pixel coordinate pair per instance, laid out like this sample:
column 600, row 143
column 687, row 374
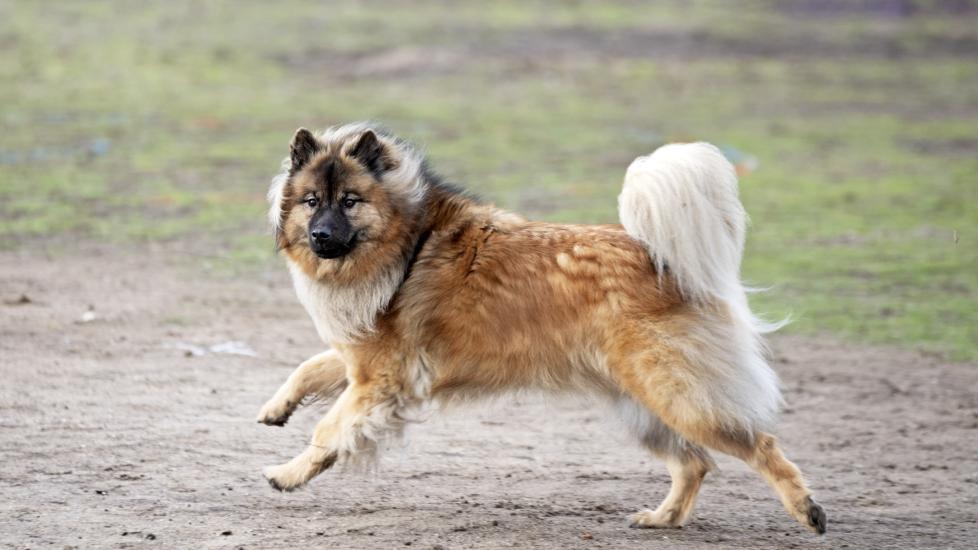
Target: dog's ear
column 370, row 151
column 303, row 146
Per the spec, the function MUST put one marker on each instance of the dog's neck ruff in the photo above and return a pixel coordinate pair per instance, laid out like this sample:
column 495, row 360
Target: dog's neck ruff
column 342, row 313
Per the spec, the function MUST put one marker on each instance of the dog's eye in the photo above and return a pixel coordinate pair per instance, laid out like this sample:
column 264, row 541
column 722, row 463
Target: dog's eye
column 349, row 202
column 311, row 202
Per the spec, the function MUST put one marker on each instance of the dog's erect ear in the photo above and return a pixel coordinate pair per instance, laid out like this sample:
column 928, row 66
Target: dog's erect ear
column 372, row 153
column 304, row 145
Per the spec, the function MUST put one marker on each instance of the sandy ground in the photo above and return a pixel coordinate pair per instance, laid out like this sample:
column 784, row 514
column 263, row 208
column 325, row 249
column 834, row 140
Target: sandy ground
column 114, row 434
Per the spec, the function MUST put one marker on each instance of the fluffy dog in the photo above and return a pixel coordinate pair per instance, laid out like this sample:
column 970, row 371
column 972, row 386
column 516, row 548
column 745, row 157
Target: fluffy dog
column 424, row 294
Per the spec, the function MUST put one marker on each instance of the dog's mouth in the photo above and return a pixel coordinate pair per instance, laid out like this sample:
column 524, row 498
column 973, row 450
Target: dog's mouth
column 332, row 250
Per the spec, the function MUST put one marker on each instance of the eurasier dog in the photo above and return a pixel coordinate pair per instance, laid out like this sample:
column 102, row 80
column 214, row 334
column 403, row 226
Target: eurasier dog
column 424, row 294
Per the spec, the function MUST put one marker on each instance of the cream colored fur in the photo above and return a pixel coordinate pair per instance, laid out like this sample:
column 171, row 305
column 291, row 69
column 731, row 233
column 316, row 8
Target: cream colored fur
column 681, row 202
column 343, row 312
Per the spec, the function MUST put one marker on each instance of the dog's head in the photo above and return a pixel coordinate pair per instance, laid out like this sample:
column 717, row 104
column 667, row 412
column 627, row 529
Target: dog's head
column 348, row 193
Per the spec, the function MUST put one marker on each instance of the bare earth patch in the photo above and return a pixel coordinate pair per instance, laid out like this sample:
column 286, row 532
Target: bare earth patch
column 115, row 432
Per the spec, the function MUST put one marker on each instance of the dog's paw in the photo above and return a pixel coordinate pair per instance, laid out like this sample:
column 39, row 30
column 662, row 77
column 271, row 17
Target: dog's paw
column 282, row 478
column 298, row 471
column 654, row 519
column 815, row 516
column 276, row 412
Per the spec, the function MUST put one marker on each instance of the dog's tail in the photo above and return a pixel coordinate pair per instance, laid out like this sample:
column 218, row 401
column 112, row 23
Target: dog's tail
column 681, row 203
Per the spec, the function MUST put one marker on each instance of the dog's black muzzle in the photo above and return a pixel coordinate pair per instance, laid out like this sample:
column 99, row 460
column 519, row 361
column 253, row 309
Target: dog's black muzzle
column 328, row 247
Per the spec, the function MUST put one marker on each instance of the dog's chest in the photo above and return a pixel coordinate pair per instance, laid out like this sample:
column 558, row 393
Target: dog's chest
column 342, row 312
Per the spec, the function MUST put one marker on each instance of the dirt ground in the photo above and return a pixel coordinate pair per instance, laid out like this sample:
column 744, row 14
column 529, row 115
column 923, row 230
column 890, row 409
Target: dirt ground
column 116, row 432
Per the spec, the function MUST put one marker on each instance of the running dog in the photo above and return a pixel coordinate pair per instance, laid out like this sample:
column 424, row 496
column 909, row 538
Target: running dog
column 424, row 295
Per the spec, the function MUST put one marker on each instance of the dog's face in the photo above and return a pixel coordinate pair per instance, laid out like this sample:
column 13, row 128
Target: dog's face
column 336, row 205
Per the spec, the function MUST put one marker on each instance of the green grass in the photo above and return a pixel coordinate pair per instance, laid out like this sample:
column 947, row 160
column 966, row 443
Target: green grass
column 134, row 122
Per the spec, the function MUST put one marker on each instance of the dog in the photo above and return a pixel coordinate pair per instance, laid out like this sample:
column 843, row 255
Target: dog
column 424, row 294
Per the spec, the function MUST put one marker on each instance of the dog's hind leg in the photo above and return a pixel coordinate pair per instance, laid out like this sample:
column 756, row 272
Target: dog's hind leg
column 322, row 375
column 687, row 463
column 687, row 475
column 761, row 453
column 687, row 403
column 364, row 414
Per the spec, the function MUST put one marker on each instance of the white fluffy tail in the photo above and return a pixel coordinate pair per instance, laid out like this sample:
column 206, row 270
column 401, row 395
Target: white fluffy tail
column 681, row 202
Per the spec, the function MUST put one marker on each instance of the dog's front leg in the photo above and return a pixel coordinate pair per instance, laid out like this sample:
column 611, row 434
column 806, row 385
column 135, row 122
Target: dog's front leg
column 362, row 415
column 322, row 375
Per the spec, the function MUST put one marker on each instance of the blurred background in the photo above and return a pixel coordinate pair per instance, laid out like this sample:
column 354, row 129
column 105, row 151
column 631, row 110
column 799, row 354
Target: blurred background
column 138, row 126
column 144, row 315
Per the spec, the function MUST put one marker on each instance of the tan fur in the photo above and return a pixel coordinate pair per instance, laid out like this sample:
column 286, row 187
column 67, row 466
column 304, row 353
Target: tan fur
column 687, row 475
column 320, row 375
column 493, row 303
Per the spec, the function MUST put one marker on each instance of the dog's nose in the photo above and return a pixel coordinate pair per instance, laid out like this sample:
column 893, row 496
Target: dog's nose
column 320, row 235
